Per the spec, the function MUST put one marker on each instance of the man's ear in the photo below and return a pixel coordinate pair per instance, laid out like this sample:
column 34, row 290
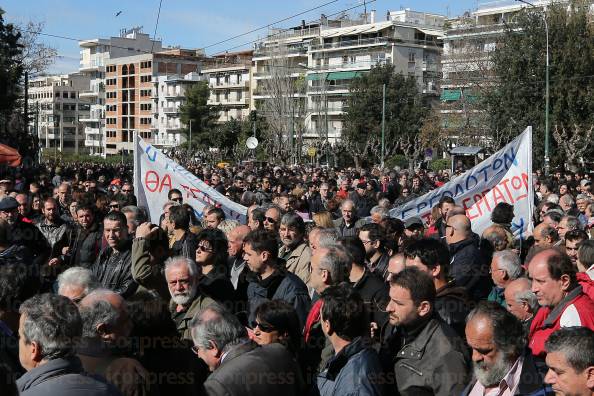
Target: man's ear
column 376, row 244
column 589, row 373
column 326, row 327
column 565, row 282
column 35, row 352
column 265, row 255
column 216, row 351
column 102, row 329
column 436, row 271
column 424, row 308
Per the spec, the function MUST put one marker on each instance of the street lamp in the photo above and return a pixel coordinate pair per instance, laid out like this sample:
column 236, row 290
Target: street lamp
column 546, row 155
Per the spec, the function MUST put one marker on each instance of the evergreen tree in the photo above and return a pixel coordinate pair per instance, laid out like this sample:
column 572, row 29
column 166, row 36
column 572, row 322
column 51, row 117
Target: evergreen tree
column 11, row 73
column 202, row 115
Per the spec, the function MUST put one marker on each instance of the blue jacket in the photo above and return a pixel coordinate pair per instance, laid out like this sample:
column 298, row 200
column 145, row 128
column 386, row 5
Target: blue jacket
column 355, row 370
column 281, row 285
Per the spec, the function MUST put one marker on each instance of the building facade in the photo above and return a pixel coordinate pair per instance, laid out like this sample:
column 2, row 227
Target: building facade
column 229, row 78
column 94, row 55
column 131, row 101
column 58, row 110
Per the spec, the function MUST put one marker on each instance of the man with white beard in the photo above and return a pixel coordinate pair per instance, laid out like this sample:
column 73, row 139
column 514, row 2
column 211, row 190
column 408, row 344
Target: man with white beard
column 182, row 274
column 502, row 365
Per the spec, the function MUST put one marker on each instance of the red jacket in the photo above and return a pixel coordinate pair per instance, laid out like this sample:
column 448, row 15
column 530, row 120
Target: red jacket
column 586, row 283
column 576, row 309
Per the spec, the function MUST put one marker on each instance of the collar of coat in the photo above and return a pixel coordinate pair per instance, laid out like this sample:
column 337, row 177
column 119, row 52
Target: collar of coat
column 338, row 361
column 415, row 349
column 559, row 308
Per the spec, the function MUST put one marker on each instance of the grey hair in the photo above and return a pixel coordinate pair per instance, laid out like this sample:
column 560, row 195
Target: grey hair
column 576, row 344
column 227, row 225
column 98, row 312
column 347, row 201
column 139, row 215
column 509, row 262
column 78, row 276
column 528, row 297
column 508, row 333
column 337, row 261
column 553, row 198
column 217, row 325
column 383, row 212
column 327, row 237
column 53, row 322
column 178, row 260
column 170, row 203
column 567, row 199
column 573, row 223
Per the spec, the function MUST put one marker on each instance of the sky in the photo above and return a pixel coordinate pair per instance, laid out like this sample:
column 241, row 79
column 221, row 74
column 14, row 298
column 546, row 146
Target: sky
column 189, row 23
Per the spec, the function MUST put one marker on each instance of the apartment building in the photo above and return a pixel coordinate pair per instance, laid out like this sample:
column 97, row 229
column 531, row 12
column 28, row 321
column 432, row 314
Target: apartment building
column 411, row 41
column 58, row 110
column 130, row 98
column 468, row 44
column 321, row 58
column 169, row 94
column 229, row 79
column 94, row 55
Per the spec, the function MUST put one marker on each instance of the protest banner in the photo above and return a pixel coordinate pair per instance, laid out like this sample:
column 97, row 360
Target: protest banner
column 506, row 176
column 155, row 174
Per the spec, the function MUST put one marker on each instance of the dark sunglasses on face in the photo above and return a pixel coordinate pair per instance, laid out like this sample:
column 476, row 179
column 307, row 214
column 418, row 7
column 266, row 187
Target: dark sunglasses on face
column 266, row 328
column 127, row 190
column 270, row 220
column 114, row 206
column 203, row 248
column 177, row 199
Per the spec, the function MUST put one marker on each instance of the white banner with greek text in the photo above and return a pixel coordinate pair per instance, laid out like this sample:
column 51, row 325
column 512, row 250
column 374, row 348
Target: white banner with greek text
column 155, row 174
column 506, row 176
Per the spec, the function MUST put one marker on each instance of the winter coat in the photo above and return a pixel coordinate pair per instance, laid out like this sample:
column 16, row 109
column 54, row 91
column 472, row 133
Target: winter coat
column 297, row 260
column 86, row 246
column 355, row 370
column 469, row 270
column 113, row 270
column 64, row 377
column 250, row 369
column 453, row 305
column 435, row 361
column 57, row 235
column 185, row 247
column 346, row 231
column 281, row 285
column 374, row 292
column 182, row 319
column 28, row 235
column 576, row 309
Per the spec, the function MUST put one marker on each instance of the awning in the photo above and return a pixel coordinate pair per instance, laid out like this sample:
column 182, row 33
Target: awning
column 360, row 29
column 430, row 32
column 449, row 95
column 466, row 150
column 344, row 75
column 9, row 156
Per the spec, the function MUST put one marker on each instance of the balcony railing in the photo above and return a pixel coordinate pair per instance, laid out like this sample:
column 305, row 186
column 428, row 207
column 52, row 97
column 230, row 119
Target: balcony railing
column 351, row 43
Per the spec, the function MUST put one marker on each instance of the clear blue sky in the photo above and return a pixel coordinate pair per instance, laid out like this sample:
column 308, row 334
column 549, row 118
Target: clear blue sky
column 189, row 23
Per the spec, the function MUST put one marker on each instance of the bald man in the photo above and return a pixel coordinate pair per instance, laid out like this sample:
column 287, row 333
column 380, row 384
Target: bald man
column 467, row 267
column 521, row 301
column 545, row 236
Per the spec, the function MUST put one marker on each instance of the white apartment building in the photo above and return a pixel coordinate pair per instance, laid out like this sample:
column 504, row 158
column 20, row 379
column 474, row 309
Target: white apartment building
column 229, row 77
column 328, row 54
column 94, row 55
column 168, row 95
column 57, row 109
column 468, row 44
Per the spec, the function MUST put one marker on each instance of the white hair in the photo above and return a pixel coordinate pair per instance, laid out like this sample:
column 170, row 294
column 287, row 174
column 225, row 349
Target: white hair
column 78, row 276
column 509, row 261
column 181, row 260
column 553, row 198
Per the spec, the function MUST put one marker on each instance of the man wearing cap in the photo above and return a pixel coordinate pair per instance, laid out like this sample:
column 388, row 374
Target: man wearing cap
column 414, row 228
column 23, row 233
column 363, row 203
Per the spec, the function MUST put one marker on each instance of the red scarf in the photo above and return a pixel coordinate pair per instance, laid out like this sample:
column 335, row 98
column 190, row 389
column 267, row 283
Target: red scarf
column 312, row 318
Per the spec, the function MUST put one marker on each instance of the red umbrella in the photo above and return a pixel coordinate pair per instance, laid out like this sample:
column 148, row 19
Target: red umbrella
column 9, row 156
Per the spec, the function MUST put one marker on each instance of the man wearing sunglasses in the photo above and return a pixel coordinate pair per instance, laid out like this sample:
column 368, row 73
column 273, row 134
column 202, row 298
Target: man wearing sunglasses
column 272, row 219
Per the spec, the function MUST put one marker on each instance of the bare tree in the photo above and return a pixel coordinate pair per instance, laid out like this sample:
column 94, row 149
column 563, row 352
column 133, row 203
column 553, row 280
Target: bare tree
column 36, row 56
column 574, row 143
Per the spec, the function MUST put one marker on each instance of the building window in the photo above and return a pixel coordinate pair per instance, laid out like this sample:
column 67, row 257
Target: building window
column 239, row 95
column 227, row 95
column 145, row 106
column 239, row 76
column 145, row 92
column 411, row 56
column 144, row 79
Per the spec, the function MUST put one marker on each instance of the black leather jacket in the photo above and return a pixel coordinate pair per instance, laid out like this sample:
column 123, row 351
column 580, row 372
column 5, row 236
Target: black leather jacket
column 113, row 269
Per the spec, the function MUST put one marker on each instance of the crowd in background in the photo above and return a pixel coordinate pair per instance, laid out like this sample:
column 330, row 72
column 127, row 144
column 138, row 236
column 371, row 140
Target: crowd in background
column 320, row 292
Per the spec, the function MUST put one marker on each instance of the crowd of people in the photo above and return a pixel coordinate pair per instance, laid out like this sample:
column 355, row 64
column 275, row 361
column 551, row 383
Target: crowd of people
column 320, row 292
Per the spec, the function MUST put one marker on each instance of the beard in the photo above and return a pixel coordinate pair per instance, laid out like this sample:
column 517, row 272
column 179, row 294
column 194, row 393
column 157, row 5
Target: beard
column 491, row 376
column 184, row 298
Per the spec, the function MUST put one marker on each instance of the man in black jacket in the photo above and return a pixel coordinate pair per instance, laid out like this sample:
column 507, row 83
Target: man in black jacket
column 376, row 256
column 451, row 301
column 55, row 230
column 467, row 265
column 113, row 266
column 87, row 241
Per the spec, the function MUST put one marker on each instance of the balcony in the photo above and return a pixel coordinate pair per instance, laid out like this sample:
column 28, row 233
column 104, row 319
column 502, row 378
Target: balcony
column 171, row 95
column 266, row 52
column 332, row 109
column 92, row 131
column 224, row 85
column 88, row 94
column 329, row 88
column 170, row 110
column 361, row 65
column 165, row 142
column 93, row 143
column 351, row 43
column 93, row 65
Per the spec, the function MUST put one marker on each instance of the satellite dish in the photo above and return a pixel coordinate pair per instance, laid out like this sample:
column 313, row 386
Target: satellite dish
column 251, row 142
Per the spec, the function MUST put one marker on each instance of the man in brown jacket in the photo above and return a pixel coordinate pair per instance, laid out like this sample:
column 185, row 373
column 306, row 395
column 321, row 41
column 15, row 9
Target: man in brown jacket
column 294, row 251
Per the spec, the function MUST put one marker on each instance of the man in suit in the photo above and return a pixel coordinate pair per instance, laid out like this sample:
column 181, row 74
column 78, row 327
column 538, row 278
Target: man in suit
column 240, row 366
